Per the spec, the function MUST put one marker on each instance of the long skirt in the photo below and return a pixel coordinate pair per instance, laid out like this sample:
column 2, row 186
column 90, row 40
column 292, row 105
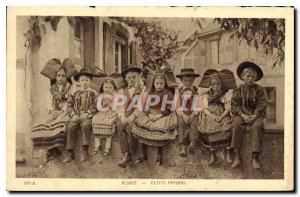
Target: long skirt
column 50, row 132
column 104, row 123
column 214, row 133
column 155, row 133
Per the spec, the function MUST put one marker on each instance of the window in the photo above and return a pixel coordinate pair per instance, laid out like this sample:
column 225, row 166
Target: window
column 214, row 52
column 120, row 54
column 117, row 57
column 79, row 42
column 115, row 48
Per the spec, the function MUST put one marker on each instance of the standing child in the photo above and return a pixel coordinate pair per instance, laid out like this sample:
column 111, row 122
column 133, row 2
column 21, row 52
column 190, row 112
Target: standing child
column 155, row 126
column 249, row 109
column 104, row 122
column 214, row 124
column 81, row 110
column 49, row 133
column 187, row 120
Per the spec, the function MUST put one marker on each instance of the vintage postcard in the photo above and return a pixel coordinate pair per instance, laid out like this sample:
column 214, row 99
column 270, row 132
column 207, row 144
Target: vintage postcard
column 150, row 99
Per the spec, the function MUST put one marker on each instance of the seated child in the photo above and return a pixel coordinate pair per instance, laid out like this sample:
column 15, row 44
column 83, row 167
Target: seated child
column 215, row 120
column 81, row 109
column 248, row 106
column 187, row 120
column 156, row 126
column 50, row 131
column 104, row 122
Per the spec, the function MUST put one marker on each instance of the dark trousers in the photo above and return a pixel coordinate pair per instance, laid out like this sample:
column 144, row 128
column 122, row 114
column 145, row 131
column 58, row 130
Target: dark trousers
column 125, row 137
column 238, row 129
column 187, row 133
column 73, row 128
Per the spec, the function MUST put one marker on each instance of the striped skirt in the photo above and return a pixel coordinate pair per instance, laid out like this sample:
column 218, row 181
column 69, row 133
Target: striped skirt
column 155, row 133
column 50, row 132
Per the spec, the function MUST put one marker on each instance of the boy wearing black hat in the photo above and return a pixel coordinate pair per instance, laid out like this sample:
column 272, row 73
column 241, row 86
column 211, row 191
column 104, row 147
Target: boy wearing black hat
column 81, row 109
column 248, row 105
column 187, row 121
column 125, row 118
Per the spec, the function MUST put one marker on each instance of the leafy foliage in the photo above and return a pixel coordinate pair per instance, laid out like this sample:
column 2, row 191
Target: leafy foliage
column 157, row 45
column 259, row 32
column 33, row 36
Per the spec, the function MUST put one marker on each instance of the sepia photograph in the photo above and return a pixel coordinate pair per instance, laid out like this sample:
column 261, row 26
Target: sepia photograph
column 158, row 99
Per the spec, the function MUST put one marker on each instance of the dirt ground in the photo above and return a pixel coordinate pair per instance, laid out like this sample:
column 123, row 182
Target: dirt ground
column 174, row 167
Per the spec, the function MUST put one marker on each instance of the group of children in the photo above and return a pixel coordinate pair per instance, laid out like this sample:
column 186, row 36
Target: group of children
column 221, row 123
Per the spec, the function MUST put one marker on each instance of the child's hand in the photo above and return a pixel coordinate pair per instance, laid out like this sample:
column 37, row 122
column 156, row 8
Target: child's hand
column 218, row 119
column 186, row 119
column 123, row 120
column 245, row 117
column 252, row 118
column 150, row 116
column 84, row 116
column 75, row 118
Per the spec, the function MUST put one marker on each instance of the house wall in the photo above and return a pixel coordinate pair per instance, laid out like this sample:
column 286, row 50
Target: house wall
column 231, row 53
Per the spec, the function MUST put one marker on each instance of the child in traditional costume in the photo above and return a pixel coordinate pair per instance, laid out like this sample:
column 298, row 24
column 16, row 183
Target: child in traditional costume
column 131, row 89
column 81, row 109
column 49, row 132
column 215, row 120
column 104, row 122
column 187, row 119
column 248, row 106
column 155, row 126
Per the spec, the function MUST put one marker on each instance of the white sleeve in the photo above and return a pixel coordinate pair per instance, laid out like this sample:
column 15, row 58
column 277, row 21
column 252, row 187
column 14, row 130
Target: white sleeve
column 205, row 102
column 120, row 110
column 49, row 101
column 226, row 99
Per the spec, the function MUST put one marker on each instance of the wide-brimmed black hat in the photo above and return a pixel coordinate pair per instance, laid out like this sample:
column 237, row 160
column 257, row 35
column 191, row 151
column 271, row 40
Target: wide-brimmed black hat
column 84, row 72
column 130, row 68
column 252, row 65
column 187, row 72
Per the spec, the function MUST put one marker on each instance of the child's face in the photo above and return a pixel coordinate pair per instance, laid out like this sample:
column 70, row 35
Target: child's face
column 216, row 85
column 84, row 81
column 188, row 81
column 159, row 84
column 249, row 77
column 108, row 88
column 60, row 77
column 132, row 78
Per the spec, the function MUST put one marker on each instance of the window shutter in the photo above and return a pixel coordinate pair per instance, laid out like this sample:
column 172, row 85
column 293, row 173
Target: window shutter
column 108, row 38
column 133, row 55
